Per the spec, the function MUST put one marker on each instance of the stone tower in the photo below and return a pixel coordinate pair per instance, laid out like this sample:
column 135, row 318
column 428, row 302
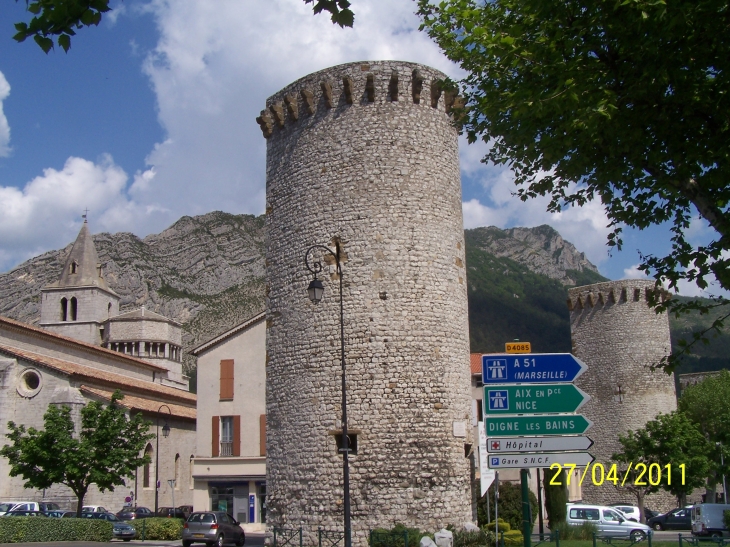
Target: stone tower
column 80, row 301
column 619, row 337
column 366, row 154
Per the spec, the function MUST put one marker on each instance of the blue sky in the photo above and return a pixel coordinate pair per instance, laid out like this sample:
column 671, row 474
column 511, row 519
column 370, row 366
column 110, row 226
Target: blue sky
column 151, row 116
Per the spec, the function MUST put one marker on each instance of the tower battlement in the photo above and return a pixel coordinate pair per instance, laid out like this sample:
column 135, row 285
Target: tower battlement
column 613, row 292
column 333, row 90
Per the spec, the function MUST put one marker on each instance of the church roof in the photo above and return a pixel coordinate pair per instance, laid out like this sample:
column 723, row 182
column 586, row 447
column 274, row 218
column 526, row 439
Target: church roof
column 66, row 340
column 142, row 313
column 142, row 403
column 82, row 268
column 111, row 379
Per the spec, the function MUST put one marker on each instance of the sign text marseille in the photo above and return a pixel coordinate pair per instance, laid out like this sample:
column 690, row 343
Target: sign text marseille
column 531, row 368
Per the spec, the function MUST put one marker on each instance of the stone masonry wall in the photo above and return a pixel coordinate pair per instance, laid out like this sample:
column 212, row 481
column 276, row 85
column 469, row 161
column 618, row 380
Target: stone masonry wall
column 619, row 337
column 351, row 154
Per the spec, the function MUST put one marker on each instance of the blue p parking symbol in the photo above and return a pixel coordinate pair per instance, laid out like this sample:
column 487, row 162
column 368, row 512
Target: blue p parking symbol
column 495, row 462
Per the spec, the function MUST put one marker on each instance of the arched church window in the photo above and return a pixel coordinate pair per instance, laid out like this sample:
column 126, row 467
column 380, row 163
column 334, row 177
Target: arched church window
column 74, row 267
column 64, row 309
column 109, row 310
column 74, row 308
column 147, row 472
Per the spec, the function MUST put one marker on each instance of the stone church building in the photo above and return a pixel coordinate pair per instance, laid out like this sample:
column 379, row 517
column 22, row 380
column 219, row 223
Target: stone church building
column 84, row 351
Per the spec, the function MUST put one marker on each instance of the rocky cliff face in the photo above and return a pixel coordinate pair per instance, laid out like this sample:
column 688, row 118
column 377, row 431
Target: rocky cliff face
column 207, row 272
column 541, row 249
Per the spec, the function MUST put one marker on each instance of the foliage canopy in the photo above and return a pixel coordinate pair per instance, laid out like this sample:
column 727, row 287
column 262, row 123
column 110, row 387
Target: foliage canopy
column 105, row 450
column 623, row 102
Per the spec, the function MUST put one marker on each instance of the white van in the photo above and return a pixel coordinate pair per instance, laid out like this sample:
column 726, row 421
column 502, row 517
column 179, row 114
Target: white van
column 707, row 520
column 608, row 521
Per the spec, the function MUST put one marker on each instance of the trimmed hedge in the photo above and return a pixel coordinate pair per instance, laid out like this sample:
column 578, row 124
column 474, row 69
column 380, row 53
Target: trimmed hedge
column 31, row 529
column 158, row 528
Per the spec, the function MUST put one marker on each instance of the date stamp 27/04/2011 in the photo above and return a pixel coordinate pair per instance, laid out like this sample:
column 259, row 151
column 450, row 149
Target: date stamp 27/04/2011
column 639, row 474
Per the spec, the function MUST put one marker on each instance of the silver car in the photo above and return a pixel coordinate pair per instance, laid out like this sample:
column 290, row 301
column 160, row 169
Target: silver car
column 212, row 528
column 608, row 521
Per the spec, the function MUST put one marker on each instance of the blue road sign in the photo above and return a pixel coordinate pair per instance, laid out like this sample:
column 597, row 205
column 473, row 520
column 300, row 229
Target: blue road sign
column 531, row 368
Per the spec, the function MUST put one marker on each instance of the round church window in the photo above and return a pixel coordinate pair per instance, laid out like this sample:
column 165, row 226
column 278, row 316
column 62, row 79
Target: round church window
column 30, row 383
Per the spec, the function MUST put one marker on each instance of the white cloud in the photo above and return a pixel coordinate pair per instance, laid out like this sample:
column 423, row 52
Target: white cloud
column 36, row 217
column 4, row 126
column 633, row 272
column 215, row 64
column 585, row 227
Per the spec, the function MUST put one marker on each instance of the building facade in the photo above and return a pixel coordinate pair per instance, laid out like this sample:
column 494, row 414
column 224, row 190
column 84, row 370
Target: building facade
column 229, row 471
column 65, row 363
column 365, row 156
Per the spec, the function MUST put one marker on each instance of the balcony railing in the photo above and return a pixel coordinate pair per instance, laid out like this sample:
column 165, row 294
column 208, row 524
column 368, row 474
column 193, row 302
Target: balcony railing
column 226, row 449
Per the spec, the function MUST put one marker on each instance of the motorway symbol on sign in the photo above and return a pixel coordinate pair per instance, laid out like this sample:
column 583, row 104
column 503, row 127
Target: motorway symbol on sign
column 519, row 426
column 533, row 399
column 531, row 368
column 538, row 444
column 539, row 459
column 517, row 347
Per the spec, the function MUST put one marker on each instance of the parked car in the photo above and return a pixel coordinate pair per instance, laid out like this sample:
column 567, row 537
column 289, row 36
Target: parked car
column 172, row 512
column 707, row 520
column 60, row 514
column 186, row 510
column 25, row 513
column 93, row 509
column 610, row 523
column 120, row 529
column 631, row 511
column 650, row 513
column 43, row 506
column 213, row 528
column 676, row 519
column 136, row 513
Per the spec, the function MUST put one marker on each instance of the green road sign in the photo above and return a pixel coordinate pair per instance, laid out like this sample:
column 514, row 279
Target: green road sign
column 516, row 426
column 533, row 399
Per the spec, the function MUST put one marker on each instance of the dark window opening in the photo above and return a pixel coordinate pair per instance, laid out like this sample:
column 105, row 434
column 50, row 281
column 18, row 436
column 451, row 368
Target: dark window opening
column 64, row 309
column 74, row 267
column 352, row 443
column 74, row 308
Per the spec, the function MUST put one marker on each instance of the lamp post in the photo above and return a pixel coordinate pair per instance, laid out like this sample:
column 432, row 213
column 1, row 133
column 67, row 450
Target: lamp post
column 165, row 433
column 316, row 292
column 722, row 466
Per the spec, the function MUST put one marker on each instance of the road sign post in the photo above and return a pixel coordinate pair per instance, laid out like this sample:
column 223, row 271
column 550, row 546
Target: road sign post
column 517, row 426
column 531, row 368
column 538, row 459
column 529, row 399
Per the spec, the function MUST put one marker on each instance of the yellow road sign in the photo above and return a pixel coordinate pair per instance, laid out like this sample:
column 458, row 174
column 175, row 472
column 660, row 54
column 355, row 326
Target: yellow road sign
column 517, row 347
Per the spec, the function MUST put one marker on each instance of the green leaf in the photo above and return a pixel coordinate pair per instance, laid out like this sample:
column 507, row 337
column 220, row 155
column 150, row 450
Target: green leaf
column 65, row 42
column 46, row 44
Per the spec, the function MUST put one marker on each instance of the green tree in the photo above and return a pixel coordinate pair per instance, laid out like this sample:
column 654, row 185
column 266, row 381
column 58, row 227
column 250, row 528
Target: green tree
column 707, row 404
column 623, row 102
column 510, row 504
column 669, row 453
column 104, row 452
column 555, row 485
column 61, row 18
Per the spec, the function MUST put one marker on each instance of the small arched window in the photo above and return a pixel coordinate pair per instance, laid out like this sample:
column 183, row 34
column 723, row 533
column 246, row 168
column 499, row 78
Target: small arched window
column 147, row 471
column 74, row 267
column 64, row 309
column 109, row 310
column 74, row 308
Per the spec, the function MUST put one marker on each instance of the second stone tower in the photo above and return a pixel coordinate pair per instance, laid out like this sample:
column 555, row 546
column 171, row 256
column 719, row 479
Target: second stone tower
column 365, row 156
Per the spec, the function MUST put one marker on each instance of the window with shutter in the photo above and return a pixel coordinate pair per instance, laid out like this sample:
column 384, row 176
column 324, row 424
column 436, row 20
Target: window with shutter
column 226, row 388
column 215, row 437
column 236, row 448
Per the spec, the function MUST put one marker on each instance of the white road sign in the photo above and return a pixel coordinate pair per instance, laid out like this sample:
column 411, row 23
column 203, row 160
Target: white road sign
column 539, row 459
column 538, row 444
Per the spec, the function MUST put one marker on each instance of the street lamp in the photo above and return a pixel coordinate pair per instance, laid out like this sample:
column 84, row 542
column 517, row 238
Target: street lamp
column 722, row 466
column 165, row 433
column 316, row 292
